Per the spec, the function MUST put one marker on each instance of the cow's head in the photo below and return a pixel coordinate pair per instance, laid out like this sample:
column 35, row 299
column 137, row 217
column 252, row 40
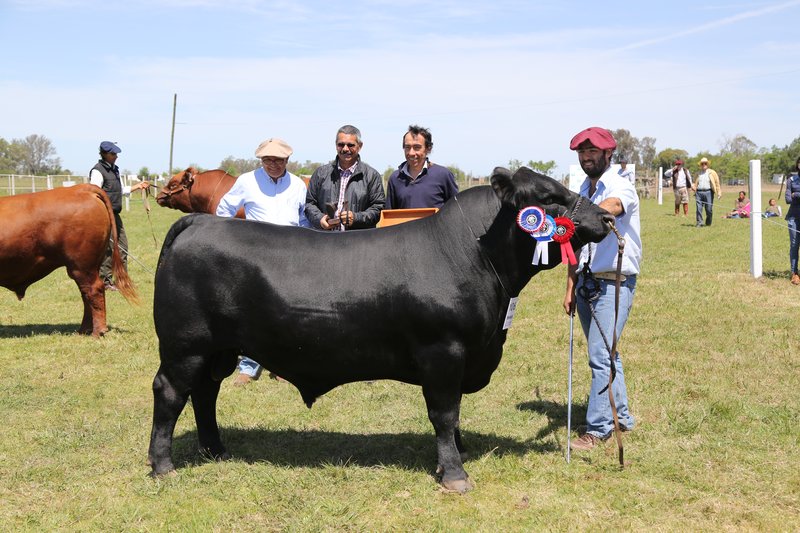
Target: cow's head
column 176, row 193
column 526, row 188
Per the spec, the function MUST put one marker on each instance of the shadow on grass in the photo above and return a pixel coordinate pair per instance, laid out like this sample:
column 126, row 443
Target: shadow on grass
column 556, row 414
column 314, row 448
column 34, row 330
column 777, row 274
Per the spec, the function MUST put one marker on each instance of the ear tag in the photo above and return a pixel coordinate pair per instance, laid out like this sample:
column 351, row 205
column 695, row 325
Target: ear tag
column 565, row 229
column 543, row 237
column 530, row 219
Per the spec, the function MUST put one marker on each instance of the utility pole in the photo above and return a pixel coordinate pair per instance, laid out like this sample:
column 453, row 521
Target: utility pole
column 172, row 136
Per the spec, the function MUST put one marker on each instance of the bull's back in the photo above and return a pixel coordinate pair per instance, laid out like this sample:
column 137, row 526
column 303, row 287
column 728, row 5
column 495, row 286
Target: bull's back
column 45, row 230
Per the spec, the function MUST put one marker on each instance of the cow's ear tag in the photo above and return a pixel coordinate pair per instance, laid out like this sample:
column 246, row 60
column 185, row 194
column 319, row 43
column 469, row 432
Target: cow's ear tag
column 512, row 307
column 530, row 219
column 565, row 229
column 543, row 237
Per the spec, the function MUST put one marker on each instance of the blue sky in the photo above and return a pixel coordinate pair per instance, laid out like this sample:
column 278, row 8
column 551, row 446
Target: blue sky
column 493, row 80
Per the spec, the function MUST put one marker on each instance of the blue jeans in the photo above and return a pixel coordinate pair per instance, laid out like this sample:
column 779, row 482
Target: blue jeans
column 599, row 419
column 704, row 199
column 794, row 242
column 249, row 367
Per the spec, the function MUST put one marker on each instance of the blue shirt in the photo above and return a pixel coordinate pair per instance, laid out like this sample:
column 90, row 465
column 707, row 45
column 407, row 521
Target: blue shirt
column 432, row 188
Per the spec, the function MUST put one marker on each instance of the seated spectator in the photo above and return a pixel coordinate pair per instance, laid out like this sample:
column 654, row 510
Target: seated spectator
column 773, row 210
column 742, row 207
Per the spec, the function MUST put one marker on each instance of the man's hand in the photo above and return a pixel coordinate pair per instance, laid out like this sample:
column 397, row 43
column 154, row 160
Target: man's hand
column 329, row 223
column 347, row 218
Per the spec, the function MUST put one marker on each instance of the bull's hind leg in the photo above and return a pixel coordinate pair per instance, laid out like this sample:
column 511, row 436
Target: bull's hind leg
column 94, row 301
column 168, row 402
column 204, row 401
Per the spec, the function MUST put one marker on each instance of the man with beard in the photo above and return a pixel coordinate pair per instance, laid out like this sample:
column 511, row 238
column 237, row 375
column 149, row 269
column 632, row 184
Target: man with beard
column 591, row 286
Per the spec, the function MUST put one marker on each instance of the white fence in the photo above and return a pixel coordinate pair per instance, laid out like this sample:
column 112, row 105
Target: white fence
column 11, row 184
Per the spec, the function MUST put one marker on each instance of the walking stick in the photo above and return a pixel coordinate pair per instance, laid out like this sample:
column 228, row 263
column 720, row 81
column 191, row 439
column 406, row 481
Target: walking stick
column 569, row 382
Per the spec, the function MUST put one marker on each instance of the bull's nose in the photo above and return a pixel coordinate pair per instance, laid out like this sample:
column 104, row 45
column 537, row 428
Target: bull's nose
column 608, row 219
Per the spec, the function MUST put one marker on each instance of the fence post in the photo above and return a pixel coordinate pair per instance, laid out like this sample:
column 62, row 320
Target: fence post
column 660, row 185
column 756, row 267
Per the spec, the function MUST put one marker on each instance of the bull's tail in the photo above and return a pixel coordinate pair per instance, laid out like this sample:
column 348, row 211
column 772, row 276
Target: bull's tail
column 122, row 281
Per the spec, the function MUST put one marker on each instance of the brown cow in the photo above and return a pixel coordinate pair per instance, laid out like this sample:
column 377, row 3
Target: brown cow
column 67, row 227
column 193, row 192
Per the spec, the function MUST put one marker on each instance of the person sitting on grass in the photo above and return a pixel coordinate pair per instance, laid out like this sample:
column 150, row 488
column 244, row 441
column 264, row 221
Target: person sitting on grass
column 773, row 209
column 742, row 207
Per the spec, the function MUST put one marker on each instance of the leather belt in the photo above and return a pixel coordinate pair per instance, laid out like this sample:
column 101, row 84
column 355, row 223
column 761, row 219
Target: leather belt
column 610, row 276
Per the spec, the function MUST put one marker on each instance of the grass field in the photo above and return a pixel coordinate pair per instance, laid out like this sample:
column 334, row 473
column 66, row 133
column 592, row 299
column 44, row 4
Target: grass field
column 711, row 361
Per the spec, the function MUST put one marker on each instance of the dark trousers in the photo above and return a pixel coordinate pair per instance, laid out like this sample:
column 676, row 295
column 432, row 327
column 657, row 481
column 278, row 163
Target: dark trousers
column 122, row 239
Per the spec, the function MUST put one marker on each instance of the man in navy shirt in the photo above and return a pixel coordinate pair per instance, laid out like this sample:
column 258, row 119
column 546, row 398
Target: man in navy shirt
column 418, row 182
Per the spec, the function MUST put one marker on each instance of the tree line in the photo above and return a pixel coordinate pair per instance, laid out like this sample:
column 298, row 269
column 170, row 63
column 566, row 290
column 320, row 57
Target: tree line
column 36, row 155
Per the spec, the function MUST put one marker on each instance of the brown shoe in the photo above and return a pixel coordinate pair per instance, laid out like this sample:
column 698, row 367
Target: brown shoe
column 585, row 442
column 795, row 279
column 242, row 380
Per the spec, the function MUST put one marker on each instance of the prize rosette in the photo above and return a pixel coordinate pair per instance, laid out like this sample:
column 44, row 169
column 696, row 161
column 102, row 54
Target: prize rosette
column 530, row 219
column 543, row 236
column 565, row 229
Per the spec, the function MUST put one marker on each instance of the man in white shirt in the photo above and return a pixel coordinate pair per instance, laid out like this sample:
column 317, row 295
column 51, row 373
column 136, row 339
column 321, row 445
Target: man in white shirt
column 595, row 285
column 268, row 194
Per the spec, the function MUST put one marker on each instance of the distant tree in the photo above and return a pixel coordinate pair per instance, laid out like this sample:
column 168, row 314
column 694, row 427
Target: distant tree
column 666, row 158
column 514, row 165
column 237, row 167
column 545, row 167
column 11, row 156
column 144, row 173
column 738, row 145
column 647, row 151
column 39, row 156
column 302, row 169
column 627, row 145
column 388, row 172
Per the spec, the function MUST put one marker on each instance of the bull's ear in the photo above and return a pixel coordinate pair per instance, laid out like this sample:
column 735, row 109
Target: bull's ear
column 503, row 185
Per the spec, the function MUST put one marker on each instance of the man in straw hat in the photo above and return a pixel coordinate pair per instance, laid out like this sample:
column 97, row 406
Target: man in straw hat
column 705, row 187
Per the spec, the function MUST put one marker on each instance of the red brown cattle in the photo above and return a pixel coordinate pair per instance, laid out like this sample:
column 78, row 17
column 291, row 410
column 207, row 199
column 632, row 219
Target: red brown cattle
column 67, row 227
column 196, row 192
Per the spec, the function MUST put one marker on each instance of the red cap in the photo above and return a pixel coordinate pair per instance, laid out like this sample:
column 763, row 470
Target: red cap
column 599, row 137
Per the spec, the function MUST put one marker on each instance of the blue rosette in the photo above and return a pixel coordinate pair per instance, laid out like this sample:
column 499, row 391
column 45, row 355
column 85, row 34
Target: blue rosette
column 530, row 219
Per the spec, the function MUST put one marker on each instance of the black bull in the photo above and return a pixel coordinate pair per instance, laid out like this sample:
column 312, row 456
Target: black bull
column 422, row 303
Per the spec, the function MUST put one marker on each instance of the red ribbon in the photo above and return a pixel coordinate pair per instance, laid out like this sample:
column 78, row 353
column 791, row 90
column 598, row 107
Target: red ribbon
column 565, row 229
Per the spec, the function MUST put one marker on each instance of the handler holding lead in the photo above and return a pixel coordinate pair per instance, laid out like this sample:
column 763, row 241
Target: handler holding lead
column 594, row 281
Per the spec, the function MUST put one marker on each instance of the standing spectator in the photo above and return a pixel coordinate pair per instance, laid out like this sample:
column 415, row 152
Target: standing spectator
column 268, row 194
column 706, row 186
column 418, row 182
column 681, row 184
column 346, row 193
column 624, row 171
column 105, row 174
column 793, row 220
column 596, row 287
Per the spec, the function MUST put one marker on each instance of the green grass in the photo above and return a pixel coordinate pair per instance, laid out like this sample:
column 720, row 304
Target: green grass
column 711, row 361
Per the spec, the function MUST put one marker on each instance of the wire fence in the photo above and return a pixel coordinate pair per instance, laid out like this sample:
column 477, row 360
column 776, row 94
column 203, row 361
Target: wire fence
column 11, row 184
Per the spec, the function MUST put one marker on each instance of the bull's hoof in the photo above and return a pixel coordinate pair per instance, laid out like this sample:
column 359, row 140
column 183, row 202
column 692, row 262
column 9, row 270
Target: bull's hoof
column 457, row 486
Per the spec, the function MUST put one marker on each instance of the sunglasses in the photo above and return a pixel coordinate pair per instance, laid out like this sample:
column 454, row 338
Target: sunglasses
column 349, row 145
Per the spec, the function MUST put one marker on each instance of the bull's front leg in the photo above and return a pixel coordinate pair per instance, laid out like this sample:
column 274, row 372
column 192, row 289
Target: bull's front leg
column 441, row 386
